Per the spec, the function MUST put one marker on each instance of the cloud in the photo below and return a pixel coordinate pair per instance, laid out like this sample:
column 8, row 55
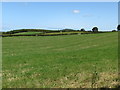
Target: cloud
column 76, row 11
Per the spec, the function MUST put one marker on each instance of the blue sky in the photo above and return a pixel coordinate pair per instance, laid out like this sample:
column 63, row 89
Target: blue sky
column 59, row 15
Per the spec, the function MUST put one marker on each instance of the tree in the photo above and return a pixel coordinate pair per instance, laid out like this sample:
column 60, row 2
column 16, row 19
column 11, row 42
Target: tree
column 118, row 27
column 95, row 29
column 113, row 30
column 82, row 29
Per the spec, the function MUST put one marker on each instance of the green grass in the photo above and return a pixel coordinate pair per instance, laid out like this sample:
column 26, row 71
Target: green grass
column 27, row 33
column 62, row 33
column 60, row 61
column 51, row 33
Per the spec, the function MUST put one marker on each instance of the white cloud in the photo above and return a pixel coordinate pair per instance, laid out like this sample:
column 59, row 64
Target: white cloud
column 76, row 11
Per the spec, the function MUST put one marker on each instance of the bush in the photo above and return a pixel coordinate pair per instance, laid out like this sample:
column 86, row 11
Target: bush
column 118, row 27
column 113, row 30
column 82, row 29
column 95, row 29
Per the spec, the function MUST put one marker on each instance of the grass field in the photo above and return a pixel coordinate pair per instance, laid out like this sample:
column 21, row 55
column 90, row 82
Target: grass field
column 63, row 33
column 51, row 33
column 71, row 61
column 27, row 33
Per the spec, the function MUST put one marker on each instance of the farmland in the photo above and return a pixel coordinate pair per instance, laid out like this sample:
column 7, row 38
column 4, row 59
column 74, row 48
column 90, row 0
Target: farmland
column 69, row 61
column 27, row 33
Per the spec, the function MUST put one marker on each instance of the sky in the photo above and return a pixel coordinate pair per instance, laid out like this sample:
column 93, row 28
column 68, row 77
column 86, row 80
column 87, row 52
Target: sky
column 59, row 15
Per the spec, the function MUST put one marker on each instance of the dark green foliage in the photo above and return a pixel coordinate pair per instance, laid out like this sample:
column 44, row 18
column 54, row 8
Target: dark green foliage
column 27, row 30
column 37, row 30
column 113, row 30
column 82, row 29
column 118, row 27
column 43, row 32
column 89, row 31
column 95, row 29
column 67, row 30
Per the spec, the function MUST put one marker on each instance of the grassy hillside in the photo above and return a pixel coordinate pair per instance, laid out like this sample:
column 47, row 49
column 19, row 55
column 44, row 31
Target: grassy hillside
column 27, row 33
column 50, row 33
column 40, row 32
column 61, row 61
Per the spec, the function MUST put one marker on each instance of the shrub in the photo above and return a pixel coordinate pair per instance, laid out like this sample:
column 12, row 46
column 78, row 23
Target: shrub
column 95, row 29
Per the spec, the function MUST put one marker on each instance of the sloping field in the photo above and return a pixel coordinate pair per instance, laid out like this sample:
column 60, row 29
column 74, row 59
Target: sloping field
column 50, row 33
column 27, row 33
column 71, row 61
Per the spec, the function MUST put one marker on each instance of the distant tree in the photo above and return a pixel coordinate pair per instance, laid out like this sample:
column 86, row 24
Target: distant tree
column 67, row 30
column 118, row 27
column 113, row 30
column 89, row 31
column 95, row 29
column 82, row 29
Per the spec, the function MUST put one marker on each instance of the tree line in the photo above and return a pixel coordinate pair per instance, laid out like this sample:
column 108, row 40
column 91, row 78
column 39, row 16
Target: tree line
column 95, row 29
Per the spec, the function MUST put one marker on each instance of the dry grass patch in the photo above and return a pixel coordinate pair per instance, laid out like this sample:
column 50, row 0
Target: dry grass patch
column 84, row 80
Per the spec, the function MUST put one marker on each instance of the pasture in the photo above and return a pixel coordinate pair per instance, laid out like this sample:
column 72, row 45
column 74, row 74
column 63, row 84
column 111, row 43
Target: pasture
column 69, row 61
column 27, row 33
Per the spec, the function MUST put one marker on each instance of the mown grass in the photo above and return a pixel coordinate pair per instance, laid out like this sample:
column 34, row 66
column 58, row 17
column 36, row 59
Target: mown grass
column 61, row 61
